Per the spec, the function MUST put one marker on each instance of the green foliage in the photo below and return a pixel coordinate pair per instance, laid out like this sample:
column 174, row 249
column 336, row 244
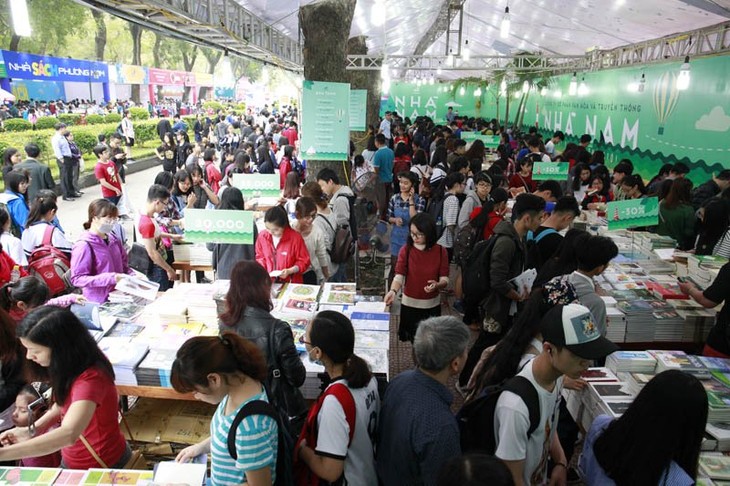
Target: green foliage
column 213, row 105
column 113, row 118
column 46, row 122
column 240, row 107
column 145, row 132
column 190, row 120
column 139, row 113
column 17, row 125
column 86, row 140
column 95, row 119
column 69, row 118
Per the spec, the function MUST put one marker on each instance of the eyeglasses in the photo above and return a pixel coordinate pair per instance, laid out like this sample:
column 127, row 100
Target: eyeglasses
column 484, row 184
column 310, row 216
column 303, row 341
column 417, row 235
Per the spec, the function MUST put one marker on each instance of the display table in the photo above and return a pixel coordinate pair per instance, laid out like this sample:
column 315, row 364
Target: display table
column 186, row 267
column 153, row 392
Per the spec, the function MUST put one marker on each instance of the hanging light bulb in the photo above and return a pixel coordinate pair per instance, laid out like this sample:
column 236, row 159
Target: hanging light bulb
column 503, row 87
column 633, row 87
column 478, row 92
column 462, row 91
column 450, row 58
column 573, row 87
column 224, row 73
column 683, row 78
column 465, row 54
column 384, row 70
column 642, row 83
column 504, row 28
column 544, row 91
column 21, row 20
column 526, row 86
column 583, row 87
column 439, row 71
column 558, row 93
column 431, row 80
column 518, row 93
column 385, row 85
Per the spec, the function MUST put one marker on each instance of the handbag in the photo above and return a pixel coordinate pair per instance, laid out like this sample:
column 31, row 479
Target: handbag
column 138, row 259
column 294, row 418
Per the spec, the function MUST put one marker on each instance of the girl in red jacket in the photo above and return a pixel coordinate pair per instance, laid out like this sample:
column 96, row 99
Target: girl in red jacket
column 280, row 249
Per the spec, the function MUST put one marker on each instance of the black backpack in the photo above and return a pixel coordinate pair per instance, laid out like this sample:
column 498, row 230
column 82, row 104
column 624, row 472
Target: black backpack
column 533, row 256
column 436, row 210
column 466, row 238
column 475, row 278
column 476, row 418
column 285, row 450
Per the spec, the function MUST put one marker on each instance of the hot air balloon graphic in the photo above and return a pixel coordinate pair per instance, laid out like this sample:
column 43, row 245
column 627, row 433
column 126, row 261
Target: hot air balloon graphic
column 665, row 98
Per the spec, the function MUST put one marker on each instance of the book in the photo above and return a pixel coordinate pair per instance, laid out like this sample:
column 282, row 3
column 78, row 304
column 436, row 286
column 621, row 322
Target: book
column 666, row 292
column 37, row 476
column 597, row 375
column 301, row 292
column 679, row 360
column 617, row 407
column 715, row 466
column 117, row 477
column 138, row 287
column 171, row 472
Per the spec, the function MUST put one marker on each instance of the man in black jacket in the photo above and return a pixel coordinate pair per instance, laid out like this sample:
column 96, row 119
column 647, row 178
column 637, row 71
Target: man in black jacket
column 707, row 190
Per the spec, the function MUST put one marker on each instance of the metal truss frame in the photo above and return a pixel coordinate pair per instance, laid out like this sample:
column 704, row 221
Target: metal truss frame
column 519, row 63
column 220, row 24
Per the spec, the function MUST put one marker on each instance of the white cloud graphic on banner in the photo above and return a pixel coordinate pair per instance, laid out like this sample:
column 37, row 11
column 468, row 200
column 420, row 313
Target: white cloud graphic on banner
column 715, row 121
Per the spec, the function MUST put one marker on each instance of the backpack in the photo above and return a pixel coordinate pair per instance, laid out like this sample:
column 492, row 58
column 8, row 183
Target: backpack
column 436, row 209
column 14, row 226
column 533, row 257
column 466, row 238
column 298, row 167
column 120, row 131
column 343, row 244
column 285, row 449
column 476, row 418
column 50, row 264
column 559, row 290
column 303, row 475
column 475, row 278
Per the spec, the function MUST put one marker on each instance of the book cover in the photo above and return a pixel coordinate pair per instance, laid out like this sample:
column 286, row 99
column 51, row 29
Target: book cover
column 39, row 476
column 117, row 477
column 302, row 292
column 300, row 306
column 715, row 466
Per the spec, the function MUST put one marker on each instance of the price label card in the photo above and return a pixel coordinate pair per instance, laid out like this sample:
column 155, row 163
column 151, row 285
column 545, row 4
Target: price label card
column 490, row 141
column 219, row 226
column 257, row 185
column 543, row 171
column 632, row 213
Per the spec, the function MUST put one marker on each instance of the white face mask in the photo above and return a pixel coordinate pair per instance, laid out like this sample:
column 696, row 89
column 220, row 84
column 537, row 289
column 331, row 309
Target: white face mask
column 106, row 228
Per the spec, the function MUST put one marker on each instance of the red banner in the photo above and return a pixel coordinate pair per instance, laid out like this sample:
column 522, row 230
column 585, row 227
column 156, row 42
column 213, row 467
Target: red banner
column 168, row 78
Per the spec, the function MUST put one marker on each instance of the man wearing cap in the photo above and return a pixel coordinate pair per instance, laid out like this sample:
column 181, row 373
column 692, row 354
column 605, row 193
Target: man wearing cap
column 571, row 341
column 62, row 152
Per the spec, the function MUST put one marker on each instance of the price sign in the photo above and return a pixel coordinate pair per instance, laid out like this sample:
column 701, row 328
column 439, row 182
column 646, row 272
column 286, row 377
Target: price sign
column 632, row 213
column 543, row 171
column 257, row 185
column 490, row 141
column 219, row 226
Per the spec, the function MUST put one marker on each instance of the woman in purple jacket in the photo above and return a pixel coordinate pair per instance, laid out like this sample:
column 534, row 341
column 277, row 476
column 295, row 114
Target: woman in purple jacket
column 98, row 260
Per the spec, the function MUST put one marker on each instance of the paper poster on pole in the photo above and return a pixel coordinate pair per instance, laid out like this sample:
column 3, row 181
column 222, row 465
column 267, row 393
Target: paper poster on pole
column 632, row 213
column 219, row 226
column 325, row 121
column 358, row 109
column 257, row 185
column 543, row 171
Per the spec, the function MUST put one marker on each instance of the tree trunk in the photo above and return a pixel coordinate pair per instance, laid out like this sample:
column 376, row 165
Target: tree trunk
column 188, row 62
column 212, row 56
column 14, row 42
column 506, row 110
column 100, row 38
column 136, row 32
column 157, row 60
column 326, row 29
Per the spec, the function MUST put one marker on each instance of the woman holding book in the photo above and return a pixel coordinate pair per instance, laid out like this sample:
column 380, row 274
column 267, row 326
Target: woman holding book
column 98, row 259
column 248, row 313
column 61, row 351
column 422, row 271
column 656, row 441
column 280, row 249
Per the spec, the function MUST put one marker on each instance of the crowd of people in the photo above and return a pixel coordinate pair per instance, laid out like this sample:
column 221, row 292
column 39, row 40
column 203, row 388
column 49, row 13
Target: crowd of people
column 450, row 220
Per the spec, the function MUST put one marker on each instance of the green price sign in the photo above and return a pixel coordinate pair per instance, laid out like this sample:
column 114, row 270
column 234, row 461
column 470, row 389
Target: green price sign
column 490, row 141
column 358, row 109
column 325, row 121
column 219, row 226
column 542, row 171
column 632, row 213
column 257, row 185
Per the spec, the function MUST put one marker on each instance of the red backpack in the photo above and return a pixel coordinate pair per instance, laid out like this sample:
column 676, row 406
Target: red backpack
column 303, row 476
column 50, row 264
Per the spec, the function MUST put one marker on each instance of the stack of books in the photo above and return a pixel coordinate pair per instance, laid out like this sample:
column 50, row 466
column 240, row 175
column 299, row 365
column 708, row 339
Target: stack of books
column 609, row 398
column 703, row 269
column 721, row 433
column 669, row 326
column 715, row 466
column 666, row 290
column 298, row 300
column 338, row 293
column 635, row 381
column 640, row 318
column 124, row 357
column 679, row 360
column 155, row 368
column 652, row 241
column 631, row 361
column 200, row 255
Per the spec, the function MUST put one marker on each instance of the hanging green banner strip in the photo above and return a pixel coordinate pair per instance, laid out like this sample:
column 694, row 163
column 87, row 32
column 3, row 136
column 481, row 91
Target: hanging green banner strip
column 325, row 121
column 632, row 213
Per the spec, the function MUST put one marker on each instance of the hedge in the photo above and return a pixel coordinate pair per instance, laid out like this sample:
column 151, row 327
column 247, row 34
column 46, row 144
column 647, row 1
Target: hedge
column 69, row 118
column 17, row 125
column 45, row 122
column 139, row 113
column 95, row 119
column 113, row 118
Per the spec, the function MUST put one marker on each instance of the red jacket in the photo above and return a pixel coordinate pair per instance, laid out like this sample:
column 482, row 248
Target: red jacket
column 284, row 169
column 291, row 251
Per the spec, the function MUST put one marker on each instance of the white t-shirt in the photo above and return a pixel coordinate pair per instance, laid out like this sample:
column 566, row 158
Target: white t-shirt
column 449, row 218
column 13, row 247
column 33, row 238
column 385, row 128
column 550, row 148
column 512, row 420
column 334, row 434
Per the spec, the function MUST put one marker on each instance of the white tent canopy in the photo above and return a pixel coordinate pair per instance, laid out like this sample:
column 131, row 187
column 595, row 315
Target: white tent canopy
column 559, row 27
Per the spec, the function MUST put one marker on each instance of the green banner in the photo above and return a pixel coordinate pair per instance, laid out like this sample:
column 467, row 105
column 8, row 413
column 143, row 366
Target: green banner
column 219, row 226
column 256, row 185
column 358, row 109
column 325, row 121
column 543, row 171
column 490, row 141
column 632, row 213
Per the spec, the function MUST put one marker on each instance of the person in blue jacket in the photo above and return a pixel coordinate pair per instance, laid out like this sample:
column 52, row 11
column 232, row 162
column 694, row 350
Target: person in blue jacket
column 15, row 197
